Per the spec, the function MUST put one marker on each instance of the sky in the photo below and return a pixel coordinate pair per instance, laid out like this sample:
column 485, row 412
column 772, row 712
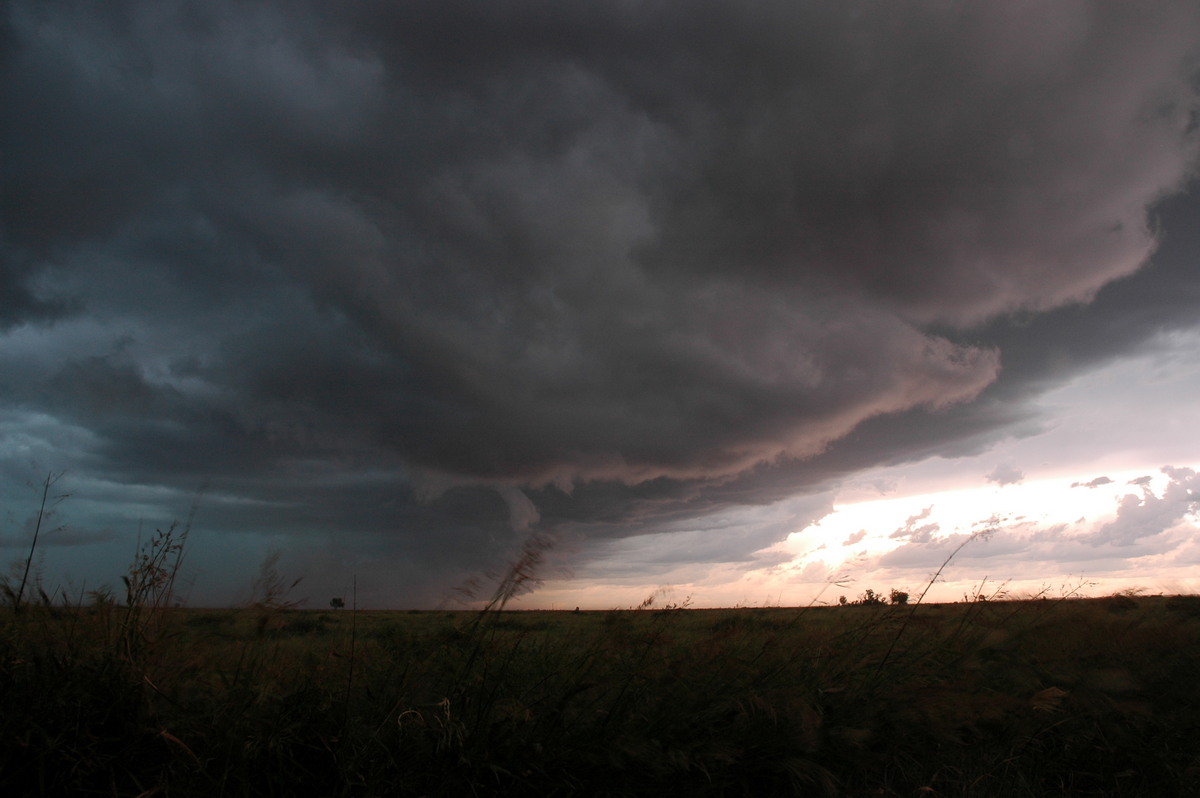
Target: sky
column 722, row 303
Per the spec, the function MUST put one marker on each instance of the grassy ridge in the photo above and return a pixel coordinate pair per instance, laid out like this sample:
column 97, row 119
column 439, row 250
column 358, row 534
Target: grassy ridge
column 1078, row 697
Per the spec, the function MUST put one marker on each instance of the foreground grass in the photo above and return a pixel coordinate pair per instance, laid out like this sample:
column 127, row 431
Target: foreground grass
column 1079, row 697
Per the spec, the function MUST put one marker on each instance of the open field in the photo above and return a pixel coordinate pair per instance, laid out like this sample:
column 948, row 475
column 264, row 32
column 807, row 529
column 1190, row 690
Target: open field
column 1047, row 697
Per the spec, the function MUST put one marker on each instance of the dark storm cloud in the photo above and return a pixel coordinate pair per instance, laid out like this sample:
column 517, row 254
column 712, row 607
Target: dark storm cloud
column 622, row 263
column 20, row 304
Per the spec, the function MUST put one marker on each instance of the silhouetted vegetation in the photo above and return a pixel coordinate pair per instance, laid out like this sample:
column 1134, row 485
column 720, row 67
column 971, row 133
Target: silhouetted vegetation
column 1062, row 697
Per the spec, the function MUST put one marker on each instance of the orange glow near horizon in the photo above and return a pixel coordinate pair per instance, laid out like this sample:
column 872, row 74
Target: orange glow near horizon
column 845, row 552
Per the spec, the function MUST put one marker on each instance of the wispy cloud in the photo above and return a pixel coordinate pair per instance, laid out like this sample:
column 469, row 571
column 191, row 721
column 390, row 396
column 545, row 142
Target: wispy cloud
column 1005, row 474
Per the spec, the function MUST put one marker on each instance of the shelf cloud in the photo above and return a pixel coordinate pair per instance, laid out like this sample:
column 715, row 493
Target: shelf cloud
column 419, row 278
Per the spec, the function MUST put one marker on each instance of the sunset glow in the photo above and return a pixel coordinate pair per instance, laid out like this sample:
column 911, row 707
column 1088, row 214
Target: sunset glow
column 901, row 542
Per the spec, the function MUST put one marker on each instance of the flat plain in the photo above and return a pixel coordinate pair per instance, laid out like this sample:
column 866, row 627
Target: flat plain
column 1066, row 697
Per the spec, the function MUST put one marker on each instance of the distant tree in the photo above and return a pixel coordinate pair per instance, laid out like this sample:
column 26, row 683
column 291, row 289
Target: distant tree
column 337, row 603
column 870, row 598
column 842, row 600
column 899, row 597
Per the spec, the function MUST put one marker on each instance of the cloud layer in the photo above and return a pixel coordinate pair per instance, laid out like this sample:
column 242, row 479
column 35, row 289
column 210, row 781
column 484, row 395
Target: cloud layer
column 617, row 265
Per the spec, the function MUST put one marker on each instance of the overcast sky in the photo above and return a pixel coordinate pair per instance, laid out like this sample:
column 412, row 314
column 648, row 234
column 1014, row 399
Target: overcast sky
column 389, row 287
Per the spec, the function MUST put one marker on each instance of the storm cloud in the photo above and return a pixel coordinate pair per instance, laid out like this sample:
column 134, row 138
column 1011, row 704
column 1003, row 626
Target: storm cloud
column 421, row 277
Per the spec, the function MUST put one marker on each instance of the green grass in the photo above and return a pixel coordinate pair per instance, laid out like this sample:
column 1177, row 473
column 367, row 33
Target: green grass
column 1074, row 697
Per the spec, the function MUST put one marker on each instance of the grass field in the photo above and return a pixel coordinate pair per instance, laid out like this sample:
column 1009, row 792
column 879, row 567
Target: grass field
column 987, row 698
